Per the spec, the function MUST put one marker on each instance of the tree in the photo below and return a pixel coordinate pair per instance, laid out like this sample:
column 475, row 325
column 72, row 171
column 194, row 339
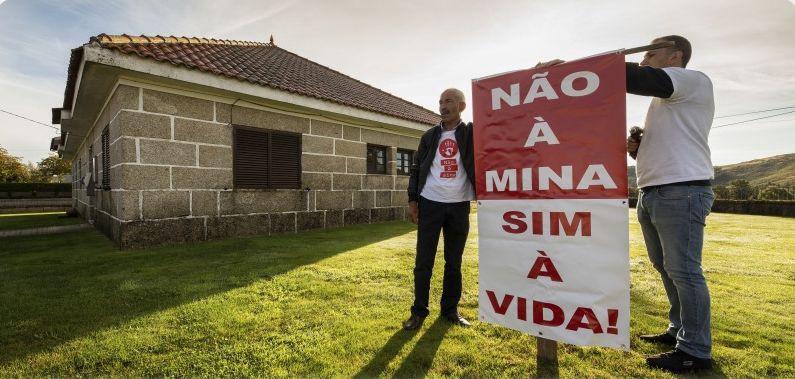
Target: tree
column 741, row 189
column 53, row 168
column 773, row 192
column 11, row 168
column 721, row 192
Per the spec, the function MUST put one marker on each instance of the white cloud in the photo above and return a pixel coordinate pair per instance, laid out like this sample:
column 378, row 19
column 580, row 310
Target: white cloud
column 260, row 16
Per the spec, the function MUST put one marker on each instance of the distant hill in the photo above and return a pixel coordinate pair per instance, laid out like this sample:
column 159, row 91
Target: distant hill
column 779, row 169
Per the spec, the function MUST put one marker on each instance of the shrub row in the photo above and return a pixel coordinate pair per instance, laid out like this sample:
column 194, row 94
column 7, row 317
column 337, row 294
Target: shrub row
column 34, row 190
column 784, row 208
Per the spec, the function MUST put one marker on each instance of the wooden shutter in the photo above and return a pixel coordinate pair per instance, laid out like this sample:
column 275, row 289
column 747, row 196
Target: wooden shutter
column 105, row 159
column 250, row 159
column 285, row 160
column 266, row 160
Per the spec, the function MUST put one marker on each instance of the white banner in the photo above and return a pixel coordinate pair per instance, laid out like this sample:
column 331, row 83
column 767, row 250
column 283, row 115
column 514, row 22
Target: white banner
column 556, row 269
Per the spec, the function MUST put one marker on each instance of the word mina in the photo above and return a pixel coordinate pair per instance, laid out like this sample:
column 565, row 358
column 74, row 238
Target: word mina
column 594, row 175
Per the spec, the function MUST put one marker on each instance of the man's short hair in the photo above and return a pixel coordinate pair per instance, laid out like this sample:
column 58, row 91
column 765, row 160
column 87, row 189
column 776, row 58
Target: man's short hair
column 458, row 93
column 680, row 44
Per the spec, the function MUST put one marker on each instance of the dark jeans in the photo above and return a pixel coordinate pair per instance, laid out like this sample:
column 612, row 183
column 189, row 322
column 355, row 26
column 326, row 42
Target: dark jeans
column 434, row 217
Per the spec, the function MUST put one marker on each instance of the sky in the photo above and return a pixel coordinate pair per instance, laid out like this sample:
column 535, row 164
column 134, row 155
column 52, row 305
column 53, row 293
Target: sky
column 416, row 49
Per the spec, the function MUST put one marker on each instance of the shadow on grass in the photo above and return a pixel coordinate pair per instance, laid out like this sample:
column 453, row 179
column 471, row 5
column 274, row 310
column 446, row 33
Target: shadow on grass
column 418, row 362
column 61, row 287
column 378, row 364
column 36, row 220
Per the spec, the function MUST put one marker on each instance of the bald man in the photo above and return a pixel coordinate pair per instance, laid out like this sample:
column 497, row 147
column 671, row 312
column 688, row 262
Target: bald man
column 441, row 185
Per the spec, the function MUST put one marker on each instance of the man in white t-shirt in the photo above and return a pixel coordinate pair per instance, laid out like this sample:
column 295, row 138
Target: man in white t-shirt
column 441, row 185
column 674, row 172
column 674, row 176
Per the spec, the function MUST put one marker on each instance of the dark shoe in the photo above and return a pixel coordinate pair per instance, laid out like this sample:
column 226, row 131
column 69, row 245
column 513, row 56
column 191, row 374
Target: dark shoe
column 456, row 318
column 663, row 338
column 678, row 361
column 413, row 323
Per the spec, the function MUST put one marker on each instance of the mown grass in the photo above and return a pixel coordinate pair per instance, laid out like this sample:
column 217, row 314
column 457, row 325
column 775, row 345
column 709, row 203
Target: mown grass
column 330, row 304
column 36, row 220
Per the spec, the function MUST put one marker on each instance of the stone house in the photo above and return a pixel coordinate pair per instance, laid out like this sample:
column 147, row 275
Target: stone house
column 178, row 140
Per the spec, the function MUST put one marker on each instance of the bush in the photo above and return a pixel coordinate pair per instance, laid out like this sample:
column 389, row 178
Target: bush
column 31, row 190
column 782, row 208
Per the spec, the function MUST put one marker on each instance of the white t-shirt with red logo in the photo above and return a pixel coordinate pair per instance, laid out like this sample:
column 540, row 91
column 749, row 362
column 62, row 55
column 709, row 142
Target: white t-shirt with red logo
column 447, row 181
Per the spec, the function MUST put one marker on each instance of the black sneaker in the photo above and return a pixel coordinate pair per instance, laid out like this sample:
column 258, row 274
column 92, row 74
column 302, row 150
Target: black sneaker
column 678, row 361
column 663, row 338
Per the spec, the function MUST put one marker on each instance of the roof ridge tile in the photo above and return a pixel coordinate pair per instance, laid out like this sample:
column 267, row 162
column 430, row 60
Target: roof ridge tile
column 104, row 39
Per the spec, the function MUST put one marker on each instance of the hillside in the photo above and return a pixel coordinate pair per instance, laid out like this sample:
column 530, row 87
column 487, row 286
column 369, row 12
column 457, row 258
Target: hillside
column 778, row 169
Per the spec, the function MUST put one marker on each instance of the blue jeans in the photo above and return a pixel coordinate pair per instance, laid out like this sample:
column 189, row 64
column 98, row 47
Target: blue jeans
column 672, row 218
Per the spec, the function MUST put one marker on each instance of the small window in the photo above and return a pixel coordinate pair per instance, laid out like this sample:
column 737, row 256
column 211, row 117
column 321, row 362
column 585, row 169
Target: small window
column 376, row 159
column 92, row 167
column 80, row 173
column 95, row 171
column 403, row 161
column 91, row 159
column 266, row 159
column 105, row 159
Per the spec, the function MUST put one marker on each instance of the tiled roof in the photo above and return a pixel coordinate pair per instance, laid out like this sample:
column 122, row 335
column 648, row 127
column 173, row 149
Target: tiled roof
column 258, row 63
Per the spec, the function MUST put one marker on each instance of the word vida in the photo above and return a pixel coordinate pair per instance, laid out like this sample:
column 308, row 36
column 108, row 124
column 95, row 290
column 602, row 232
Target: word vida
column 548, row 313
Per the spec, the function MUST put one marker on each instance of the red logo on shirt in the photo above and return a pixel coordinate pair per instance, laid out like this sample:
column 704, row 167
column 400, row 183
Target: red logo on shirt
column 448, row 148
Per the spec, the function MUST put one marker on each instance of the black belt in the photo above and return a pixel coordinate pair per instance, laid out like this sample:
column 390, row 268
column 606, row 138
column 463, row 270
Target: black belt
column 703, row 183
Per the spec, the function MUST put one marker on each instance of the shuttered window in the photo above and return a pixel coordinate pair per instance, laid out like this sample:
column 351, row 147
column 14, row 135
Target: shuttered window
column 91, row 162
column 105, row 159
column 80, row 172
column 266, row 159
column 376, row 159
column 92, row 167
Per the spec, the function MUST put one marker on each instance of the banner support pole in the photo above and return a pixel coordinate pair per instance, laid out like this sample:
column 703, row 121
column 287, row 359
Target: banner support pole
column 641, row 49
column 546, row 358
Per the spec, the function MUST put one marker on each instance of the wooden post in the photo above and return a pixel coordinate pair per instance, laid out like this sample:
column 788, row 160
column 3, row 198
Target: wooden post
column 546, row 358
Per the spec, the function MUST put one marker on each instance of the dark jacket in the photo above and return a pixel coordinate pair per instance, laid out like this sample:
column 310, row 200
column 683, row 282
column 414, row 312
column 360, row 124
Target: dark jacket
column 426, row 151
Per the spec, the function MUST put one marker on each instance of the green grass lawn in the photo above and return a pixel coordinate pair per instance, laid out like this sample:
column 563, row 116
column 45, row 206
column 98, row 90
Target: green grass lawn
column 330, row 303
column 36, row 220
